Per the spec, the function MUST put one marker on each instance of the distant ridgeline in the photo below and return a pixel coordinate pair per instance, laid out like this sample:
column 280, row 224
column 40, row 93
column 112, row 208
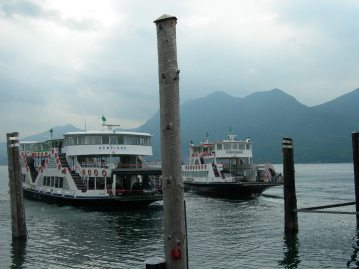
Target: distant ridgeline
column 320, row 133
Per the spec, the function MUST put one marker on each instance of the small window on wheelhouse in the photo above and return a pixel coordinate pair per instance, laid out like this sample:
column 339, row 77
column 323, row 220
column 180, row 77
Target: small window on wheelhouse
column 105, row 139
column 113, row 140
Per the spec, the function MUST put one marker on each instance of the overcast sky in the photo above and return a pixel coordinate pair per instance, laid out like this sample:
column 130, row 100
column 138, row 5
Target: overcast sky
column 71, row 61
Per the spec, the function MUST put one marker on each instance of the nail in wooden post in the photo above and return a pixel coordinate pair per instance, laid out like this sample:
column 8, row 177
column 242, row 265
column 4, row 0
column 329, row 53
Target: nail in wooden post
column 173, row 197
column 18, row 223
column 355, row 141
column 290, row 198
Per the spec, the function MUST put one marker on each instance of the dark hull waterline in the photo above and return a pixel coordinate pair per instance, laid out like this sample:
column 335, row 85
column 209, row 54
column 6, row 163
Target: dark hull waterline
column 231, row 190
column 104, row 203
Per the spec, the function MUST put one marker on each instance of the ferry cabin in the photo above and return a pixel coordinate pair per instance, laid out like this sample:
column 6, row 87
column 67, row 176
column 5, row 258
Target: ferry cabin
column 222, row 160
column 88, row 164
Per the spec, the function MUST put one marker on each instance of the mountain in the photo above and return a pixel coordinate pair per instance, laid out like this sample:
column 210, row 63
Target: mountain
column 58, row 131
column 346, row 105
column 320, row 133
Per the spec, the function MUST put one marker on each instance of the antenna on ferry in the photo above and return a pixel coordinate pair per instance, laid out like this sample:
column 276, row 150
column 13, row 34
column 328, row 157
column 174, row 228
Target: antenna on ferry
column 207, row 136
column 107, row 126
column 51, row 131
column 231, row 136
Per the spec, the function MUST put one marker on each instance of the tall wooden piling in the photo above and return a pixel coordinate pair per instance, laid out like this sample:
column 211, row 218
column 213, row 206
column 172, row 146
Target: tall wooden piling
column 355, row 141
column 173, row 197
column 18, row 223
column 290, row 198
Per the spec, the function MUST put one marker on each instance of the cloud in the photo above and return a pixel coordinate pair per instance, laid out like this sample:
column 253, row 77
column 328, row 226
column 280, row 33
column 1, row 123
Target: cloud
column 72, row 61
column 20, row 8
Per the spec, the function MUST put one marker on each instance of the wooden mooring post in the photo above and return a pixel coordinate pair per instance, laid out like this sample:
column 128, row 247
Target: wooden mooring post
column 355, row 142
column 18, row 223
column 173, row 191
column 290, row 198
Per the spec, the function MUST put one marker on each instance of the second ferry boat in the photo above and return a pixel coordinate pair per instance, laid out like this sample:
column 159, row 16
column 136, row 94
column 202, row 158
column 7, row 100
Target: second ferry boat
column 225, row 168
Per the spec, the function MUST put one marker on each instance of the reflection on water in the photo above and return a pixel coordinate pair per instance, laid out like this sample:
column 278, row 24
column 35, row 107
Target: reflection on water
column 354, row 263
column 290, row 251
column 18, row 253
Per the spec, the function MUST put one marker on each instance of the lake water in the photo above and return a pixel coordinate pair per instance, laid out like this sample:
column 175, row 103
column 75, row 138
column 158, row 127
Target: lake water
column 222, row 234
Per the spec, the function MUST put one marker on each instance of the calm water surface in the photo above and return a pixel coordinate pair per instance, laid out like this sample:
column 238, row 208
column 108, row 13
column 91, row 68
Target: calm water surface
column 221, row 233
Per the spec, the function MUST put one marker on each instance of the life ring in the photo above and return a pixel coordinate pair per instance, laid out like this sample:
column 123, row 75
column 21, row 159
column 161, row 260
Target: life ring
column 104, row 173
column 83, row 172
column 89, row 172
column 95, row 173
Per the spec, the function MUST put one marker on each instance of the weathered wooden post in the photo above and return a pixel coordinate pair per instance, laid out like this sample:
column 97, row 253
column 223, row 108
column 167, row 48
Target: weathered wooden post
column 290, row 198
column 18, row 223
column 355, row 142
column 173, row 197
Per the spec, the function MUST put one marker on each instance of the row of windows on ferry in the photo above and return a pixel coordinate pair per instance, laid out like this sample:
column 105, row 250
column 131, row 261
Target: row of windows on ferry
column 108, row 140
column 56, row 182
column 224, row 146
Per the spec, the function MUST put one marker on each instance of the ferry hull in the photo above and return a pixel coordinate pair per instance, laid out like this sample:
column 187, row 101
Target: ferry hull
column 104, row 203
column 230, row 190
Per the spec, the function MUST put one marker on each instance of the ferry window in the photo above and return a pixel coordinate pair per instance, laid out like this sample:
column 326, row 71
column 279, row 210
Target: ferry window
column 135, row 140
column 241, row 146
column 61, row 182
column 113, row 140
column 70, row 141
column 127, row 140
column 100, row 183
column 91, row 183
column 56, row 182
column 148, row 141
column 98, row 139
column 142, row 140
column 105, row 139
column 52, row 182
column 248, row 146
column 120, row 139
column 89, row 140
column 227, row 146
column 44, row 181
column 48, row 181
column 81, row 140
column 219, row 146
column 234, row 146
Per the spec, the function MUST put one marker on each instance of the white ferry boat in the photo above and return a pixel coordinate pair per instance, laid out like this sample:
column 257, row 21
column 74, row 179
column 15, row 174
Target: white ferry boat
column 225, row 168
column 91, row 168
